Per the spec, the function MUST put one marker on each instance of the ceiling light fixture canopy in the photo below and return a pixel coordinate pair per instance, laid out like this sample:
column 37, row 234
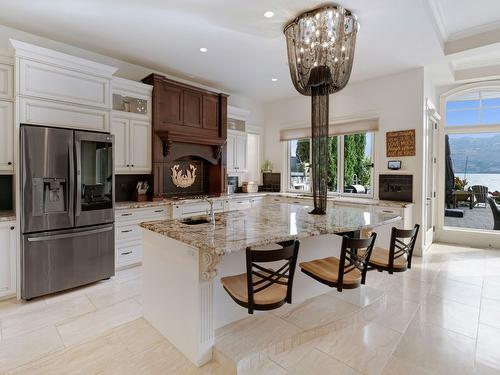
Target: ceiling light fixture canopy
column 203, row 49
column 320, row 45
column 269, row 14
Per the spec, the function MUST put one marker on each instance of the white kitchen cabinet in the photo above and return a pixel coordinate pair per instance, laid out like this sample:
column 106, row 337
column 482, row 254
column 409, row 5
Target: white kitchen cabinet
column 7, row 259
column 236, row 151
column 58, row 114
column 128, row 233
column 6, row 137
column 6, row 81
column 132, row 145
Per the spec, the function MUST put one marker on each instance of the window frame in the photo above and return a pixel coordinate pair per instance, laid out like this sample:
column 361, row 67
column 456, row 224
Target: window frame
column 340, row 168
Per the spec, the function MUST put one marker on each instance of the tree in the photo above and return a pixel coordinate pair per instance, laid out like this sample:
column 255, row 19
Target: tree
column 302, row 150
column 332, row 164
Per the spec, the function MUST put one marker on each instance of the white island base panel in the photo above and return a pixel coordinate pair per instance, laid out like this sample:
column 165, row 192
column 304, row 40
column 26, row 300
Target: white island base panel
column 187, row 310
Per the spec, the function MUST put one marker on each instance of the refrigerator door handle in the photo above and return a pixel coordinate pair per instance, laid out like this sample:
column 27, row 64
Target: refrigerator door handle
column 71, row 190
column 69, row 235
column 78, row 205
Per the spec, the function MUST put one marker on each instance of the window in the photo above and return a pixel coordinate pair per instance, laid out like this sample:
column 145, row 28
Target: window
column 473, row 108
column 299, row 165
column 472, row 157
column 350, row 166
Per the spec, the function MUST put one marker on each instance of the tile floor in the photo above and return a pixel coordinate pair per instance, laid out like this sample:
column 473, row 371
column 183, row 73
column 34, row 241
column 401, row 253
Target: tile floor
column 442, row 317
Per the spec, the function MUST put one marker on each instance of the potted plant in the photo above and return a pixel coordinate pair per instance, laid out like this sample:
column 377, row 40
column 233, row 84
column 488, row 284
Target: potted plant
column 460, row 184
column 267, row 166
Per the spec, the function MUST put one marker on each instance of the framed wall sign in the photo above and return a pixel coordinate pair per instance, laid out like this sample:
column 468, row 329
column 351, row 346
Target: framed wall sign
column 400, row 143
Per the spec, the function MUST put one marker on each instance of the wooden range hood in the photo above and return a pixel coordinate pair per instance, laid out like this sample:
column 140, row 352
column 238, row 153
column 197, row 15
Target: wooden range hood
column 188, row 121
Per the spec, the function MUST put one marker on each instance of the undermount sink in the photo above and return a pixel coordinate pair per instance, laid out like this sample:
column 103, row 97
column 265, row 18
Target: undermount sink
column 195, row 221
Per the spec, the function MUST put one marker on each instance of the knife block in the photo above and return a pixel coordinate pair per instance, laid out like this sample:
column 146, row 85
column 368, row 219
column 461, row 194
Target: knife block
column 140, row 197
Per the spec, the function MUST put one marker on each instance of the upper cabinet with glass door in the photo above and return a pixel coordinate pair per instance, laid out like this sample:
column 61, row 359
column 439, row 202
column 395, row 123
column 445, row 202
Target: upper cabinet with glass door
column 131, row 125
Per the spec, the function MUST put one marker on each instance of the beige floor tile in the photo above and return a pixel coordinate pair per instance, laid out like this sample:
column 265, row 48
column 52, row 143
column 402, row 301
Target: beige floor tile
column 317, row 311
column 450, row 315
column 77, row 292
column 393, row 313
column 252, row 335
column 17, row 351
column 467, row 294
column 12, row 306
column 290, row 358
column 139, row 335
column 361, row 297
column 436, row 349
column 93, row 324
column 400, row 367
column 18, row 324
column 318, row 363
column 488, row 348
column 410, row 290
column 366, row 347
column 490, row 312
column 117, row 292
column 491, row 290
column 161, row 359
column 266, row 368
column 91, row 357
column 128, row 274
column 422, row 273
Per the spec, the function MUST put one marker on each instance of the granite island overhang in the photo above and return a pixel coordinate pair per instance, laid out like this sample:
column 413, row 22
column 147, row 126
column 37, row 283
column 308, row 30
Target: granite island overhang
column 183, row 263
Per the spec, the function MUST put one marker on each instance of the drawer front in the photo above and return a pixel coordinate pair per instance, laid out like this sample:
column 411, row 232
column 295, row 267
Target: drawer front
column 193, row 209
column 128, row 232
column 389, row 210
column 138, row 215
column 42, row 112
column 128, row 254
column 56, row 83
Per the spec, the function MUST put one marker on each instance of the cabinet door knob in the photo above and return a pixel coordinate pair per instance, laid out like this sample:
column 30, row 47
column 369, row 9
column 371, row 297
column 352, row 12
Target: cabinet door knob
column 132, row 165
column 9, row 163
column 12, row 228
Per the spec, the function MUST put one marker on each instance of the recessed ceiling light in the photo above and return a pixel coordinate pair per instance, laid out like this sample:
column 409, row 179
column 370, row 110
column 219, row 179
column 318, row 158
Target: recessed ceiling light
column 274, row 79
column 269, row 14
column 203, row 49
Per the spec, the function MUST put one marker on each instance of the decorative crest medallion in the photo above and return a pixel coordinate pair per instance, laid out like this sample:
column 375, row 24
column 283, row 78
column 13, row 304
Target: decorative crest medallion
column 183, row 179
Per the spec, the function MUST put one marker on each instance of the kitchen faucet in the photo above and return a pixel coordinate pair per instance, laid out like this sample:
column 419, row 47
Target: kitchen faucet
column 211, row 213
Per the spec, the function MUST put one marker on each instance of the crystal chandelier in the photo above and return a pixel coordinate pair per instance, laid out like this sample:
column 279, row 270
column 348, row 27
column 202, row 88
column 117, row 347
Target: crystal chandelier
column 320, row 44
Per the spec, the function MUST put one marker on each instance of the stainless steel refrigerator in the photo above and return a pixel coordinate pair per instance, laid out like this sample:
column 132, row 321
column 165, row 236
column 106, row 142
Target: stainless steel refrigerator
column 67, row 209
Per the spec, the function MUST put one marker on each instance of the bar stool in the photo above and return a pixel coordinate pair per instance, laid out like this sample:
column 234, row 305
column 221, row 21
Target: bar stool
column 398, row 257
column 263, row 288
column 349, row 271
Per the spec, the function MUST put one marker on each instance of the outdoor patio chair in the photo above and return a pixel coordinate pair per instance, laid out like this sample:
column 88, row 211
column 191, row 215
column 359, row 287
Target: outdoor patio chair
column 495, row 210
column 480, row 195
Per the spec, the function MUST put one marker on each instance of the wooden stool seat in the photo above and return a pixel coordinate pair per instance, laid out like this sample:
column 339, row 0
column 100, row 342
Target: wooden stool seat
column 380, row 257
column 327, row 269
column 237, row 288
column 263, row 288
column 398, row 257
column 346, row 272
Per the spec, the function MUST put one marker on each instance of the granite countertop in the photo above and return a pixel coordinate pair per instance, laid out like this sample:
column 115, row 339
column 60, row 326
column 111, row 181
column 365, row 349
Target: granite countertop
column 7, row 216
column 127, row 205
column 273, row 222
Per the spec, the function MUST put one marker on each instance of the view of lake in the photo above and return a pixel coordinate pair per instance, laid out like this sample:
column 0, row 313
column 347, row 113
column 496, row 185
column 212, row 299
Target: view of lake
column 485, row 179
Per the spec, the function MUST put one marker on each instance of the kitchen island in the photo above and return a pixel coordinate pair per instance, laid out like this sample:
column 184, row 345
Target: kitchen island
column 183, row 264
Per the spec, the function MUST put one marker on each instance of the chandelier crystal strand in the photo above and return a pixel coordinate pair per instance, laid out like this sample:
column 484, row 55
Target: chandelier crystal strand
column 320, row 46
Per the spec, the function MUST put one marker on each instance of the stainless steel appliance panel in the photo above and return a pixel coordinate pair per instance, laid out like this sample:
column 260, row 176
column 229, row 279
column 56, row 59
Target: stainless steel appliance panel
column 94, row 201
column 47, row 169
column 59, row 260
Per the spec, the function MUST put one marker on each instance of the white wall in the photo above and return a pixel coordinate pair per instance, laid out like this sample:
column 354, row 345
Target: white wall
column 125, row 69
column 398, row 101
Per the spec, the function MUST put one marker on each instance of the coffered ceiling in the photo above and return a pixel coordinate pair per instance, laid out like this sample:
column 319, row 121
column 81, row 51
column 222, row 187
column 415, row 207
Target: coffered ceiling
column 245, row 50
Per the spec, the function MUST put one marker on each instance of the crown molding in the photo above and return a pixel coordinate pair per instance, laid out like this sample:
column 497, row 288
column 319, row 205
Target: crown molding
column 41, row 54
column 438, row 20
